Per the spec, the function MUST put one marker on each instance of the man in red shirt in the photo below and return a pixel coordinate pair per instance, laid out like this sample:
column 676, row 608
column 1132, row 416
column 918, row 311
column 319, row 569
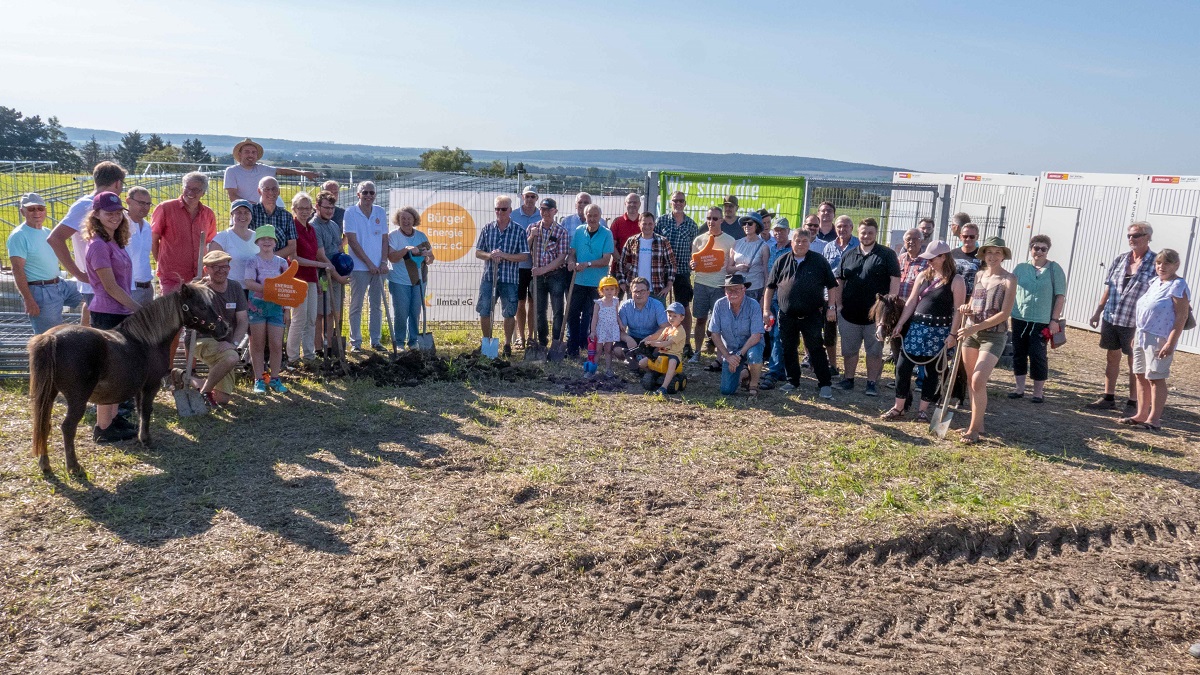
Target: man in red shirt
column 182, row 229
column 623, row 227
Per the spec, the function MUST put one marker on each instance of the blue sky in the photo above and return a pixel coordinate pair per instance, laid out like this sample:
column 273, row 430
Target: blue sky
column 933, row 86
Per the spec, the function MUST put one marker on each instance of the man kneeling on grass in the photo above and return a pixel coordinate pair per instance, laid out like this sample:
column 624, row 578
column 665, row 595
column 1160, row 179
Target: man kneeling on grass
column 736, row 327
column 221, row 355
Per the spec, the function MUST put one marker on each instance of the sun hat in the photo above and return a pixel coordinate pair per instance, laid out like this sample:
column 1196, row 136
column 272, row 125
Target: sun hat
column 264, row 232
column 735, row 280
column 677, row 308
column 763, row 213
column 994, row 242
column 752, row 217
column 238, row 148
column 934, row 249
column 32, row 199
column 216, row 258
column 107, row 201
column 608, row 281
column 239, row 203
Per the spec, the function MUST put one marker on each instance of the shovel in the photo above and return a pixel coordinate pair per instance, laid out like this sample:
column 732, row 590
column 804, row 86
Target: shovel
column 188, row 400
column 491, row 346
column 425, row 338
column 387, row 312
column 558, row 348
column 939, row 423
column 535, row 351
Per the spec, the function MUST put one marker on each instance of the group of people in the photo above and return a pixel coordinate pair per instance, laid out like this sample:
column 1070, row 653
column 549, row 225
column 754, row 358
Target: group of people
column 631, row 290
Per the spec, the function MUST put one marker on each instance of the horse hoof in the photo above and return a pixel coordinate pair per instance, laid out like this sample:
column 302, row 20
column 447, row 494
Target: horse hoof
column 77, row 471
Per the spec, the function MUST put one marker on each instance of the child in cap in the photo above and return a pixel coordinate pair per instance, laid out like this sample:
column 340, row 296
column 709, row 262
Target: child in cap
column 606, row 325
column 266, row 317
column 668, row 343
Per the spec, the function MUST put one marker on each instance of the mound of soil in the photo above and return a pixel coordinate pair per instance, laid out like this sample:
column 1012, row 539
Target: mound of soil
column 578, row 385
column 409, row 369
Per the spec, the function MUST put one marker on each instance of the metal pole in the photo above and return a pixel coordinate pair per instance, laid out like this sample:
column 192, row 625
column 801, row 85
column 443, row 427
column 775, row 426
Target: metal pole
column 1000, row 230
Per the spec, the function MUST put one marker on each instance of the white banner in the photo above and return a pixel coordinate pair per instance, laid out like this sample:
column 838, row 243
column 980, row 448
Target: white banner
column 453, row 219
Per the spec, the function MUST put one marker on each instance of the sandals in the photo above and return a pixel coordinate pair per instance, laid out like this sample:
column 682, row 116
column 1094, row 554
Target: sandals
column 923, row 416
column 1151, row 427
column 893, row 414
column 1129, row 421
column 967, row 439
column 1013, row 394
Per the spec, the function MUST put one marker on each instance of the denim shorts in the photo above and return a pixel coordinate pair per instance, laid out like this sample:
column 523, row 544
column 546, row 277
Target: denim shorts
column 265, row 311
column 505, row 291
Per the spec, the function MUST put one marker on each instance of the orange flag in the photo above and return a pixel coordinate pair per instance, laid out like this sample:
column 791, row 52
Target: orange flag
column 286, row 289
column 709, row 259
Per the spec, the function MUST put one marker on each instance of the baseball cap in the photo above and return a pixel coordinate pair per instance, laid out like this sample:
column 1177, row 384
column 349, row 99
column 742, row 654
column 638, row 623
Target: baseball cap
column 107, row 201
column 32, row 199
column 529, row 189
column 237, row 203
column 549, row 203
column 677, row 308
column 731, row 200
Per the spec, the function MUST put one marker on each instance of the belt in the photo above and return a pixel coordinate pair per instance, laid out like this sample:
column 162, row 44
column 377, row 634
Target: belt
column 932, row 320
column 46, row 282
column 144, row 284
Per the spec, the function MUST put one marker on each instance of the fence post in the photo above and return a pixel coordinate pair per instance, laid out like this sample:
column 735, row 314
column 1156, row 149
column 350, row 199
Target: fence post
column 1000, row 230
column 652, row 184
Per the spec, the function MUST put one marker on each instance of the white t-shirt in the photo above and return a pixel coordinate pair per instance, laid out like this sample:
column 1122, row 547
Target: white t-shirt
column 139, row 251
column 645, row 257
column 74, row 220
column 369, row 231
column 240, row 249
column 246, row 181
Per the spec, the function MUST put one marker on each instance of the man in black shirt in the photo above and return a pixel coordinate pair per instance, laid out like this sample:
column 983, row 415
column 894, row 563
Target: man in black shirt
column 731, row 225
column 966, row 258
column 866, row 270
column 799, row 282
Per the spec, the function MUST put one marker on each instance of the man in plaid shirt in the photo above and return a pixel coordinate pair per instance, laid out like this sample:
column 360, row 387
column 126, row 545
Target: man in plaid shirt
column 648, row 255
column 911, row 265
column 1128, row 278
column 266, row 212
column 680, row 230
column 549, row 244
column 503, row 244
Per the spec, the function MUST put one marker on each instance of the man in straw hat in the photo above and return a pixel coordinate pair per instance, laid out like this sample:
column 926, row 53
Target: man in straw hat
column 220, row 354
column 736, row 327
column 241, row 179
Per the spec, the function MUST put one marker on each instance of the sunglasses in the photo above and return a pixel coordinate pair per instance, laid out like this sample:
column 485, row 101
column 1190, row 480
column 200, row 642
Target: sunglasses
column 968, row 237
column 367, row 192
column 678, row 201
column 502, row 208
column 1139, row 235
column 713, row 218
column 1041, row 249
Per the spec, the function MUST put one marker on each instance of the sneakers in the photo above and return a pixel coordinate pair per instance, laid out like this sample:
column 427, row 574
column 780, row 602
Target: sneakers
column 806, row 363
column 507, row 351
column 871, row 389
column 210, row 401
column 826, row 393
column 277, row 386
column 787, row 387
column 845, row 385
column 378, row 347
column 123, row 423
column 260, row 386
column 112, row 434
column 1103, row 403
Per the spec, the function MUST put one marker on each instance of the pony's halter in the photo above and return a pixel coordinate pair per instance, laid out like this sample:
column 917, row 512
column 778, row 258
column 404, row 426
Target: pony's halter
column 193, row 321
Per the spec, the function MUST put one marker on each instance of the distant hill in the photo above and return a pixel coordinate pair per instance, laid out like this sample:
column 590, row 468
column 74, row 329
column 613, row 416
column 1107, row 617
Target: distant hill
column 322, row 151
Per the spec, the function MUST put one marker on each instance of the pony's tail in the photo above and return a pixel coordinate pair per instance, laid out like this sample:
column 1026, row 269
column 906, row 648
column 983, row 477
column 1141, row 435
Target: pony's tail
column 42, row 350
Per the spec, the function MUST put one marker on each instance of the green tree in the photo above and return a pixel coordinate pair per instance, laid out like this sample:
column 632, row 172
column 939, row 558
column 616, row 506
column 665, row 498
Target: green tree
column 131, row 148
column 496, row 168
column 446, row 160
column 194, row 151
column 28, row 138
column 168, row 153
column 520, row 169
column 92, row 154
column 56, row 148
column 155, row 142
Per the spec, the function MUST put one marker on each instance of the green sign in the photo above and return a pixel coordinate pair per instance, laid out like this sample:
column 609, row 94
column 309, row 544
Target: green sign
column 781, row 195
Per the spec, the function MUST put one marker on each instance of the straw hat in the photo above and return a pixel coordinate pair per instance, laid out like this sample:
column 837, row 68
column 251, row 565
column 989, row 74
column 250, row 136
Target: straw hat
column 238, row 148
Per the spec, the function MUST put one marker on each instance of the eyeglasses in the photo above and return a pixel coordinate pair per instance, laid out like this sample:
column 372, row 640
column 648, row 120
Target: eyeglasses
column 1139, row 235
column 35, row 209
column 138, row 201
column 367, row 192
column 639, row 291
column 678, row 201
column 502, row 208
column 1041, row 249
column 217, row 268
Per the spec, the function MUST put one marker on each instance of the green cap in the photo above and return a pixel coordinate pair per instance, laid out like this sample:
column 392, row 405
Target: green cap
column 264, row 231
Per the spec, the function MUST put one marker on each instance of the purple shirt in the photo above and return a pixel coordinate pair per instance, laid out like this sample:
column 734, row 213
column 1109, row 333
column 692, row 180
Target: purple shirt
column 259, row 270
column 101, row 254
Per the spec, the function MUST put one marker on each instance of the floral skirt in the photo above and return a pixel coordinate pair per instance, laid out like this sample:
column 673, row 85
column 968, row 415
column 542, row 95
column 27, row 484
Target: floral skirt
column 923, row 340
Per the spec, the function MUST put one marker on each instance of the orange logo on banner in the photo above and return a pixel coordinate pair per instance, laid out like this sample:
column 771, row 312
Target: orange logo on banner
column 972, row 177
column 709, row 259
column 1058, row 176
column 286, row 289
column 906, row 175
column 1172, row 180
column 450, row 229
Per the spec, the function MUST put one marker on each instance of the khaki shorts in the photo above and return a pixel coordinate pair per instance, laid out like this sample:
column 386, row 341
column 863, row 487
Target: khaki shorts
column 1145, row 357
column 856, row 335
column 989, row 341
column 208, row 352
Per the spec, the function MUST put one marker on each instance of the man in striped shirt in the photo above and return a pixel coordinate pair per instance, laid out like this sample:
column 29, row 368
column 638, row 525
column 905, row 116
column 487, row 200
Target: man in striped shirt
column 504, row 245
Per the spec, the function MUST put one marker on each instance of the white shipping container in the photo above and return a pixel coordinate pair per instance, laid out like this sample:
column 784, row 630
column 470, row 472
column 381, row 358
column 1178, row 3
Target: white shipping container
column 981, row 195
column 1171, row 204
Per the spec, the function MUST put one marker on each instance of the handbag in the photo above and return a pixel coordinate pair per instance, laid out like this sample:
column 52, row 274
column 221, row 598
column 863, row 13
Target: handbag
column 1191, row 320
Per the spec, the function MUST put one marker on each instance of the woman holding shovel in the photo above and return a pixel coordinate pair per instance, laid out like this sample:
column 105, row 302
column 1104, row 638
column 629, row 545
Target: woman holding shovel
column 410, row 254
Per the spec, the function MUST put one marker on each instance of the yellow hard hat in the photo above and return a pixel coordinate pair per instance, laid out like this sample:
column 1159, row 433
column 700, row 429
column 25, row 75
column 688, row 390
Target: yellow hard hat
column 608, row 281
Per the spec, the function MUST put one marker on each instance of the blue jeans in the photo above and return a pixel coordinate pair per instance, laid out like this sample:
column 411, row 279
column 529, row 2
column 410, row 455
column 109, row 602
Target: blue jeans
column 730, row 381
column 50, row 299
column 406, row 309
column 776, row 369
column 551, row 289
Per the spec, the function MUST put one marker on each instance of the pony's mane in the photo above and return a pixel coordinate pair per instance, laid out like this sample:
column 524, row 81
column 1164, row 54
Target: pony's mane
column 156, row 321
column 888, row 303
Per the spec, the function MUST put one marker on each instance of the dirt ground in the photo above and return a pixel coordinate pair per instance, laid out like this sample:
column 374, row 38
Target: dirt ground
column 515, row 519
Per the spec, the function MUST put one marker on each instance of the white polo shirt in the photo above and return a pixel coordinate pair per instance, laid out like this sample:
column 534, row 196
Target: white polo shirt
column 74, row 219
column 369, row 231
column 139, row 251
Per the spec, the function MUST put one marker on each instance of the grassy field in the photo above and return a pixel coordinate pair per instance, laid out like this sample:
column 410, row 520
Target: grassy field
column 491, row 520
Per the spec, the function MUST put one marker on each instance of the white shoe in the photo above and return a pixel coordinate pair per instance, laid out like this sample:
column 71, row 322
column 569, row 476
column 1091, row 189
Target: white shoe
column 827, row 393
column 695, row 358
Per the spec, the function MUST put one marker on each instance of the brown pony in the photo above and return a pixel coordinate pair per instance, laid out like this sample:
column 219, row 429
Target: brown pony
column 886, row 314
column 110, row 366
